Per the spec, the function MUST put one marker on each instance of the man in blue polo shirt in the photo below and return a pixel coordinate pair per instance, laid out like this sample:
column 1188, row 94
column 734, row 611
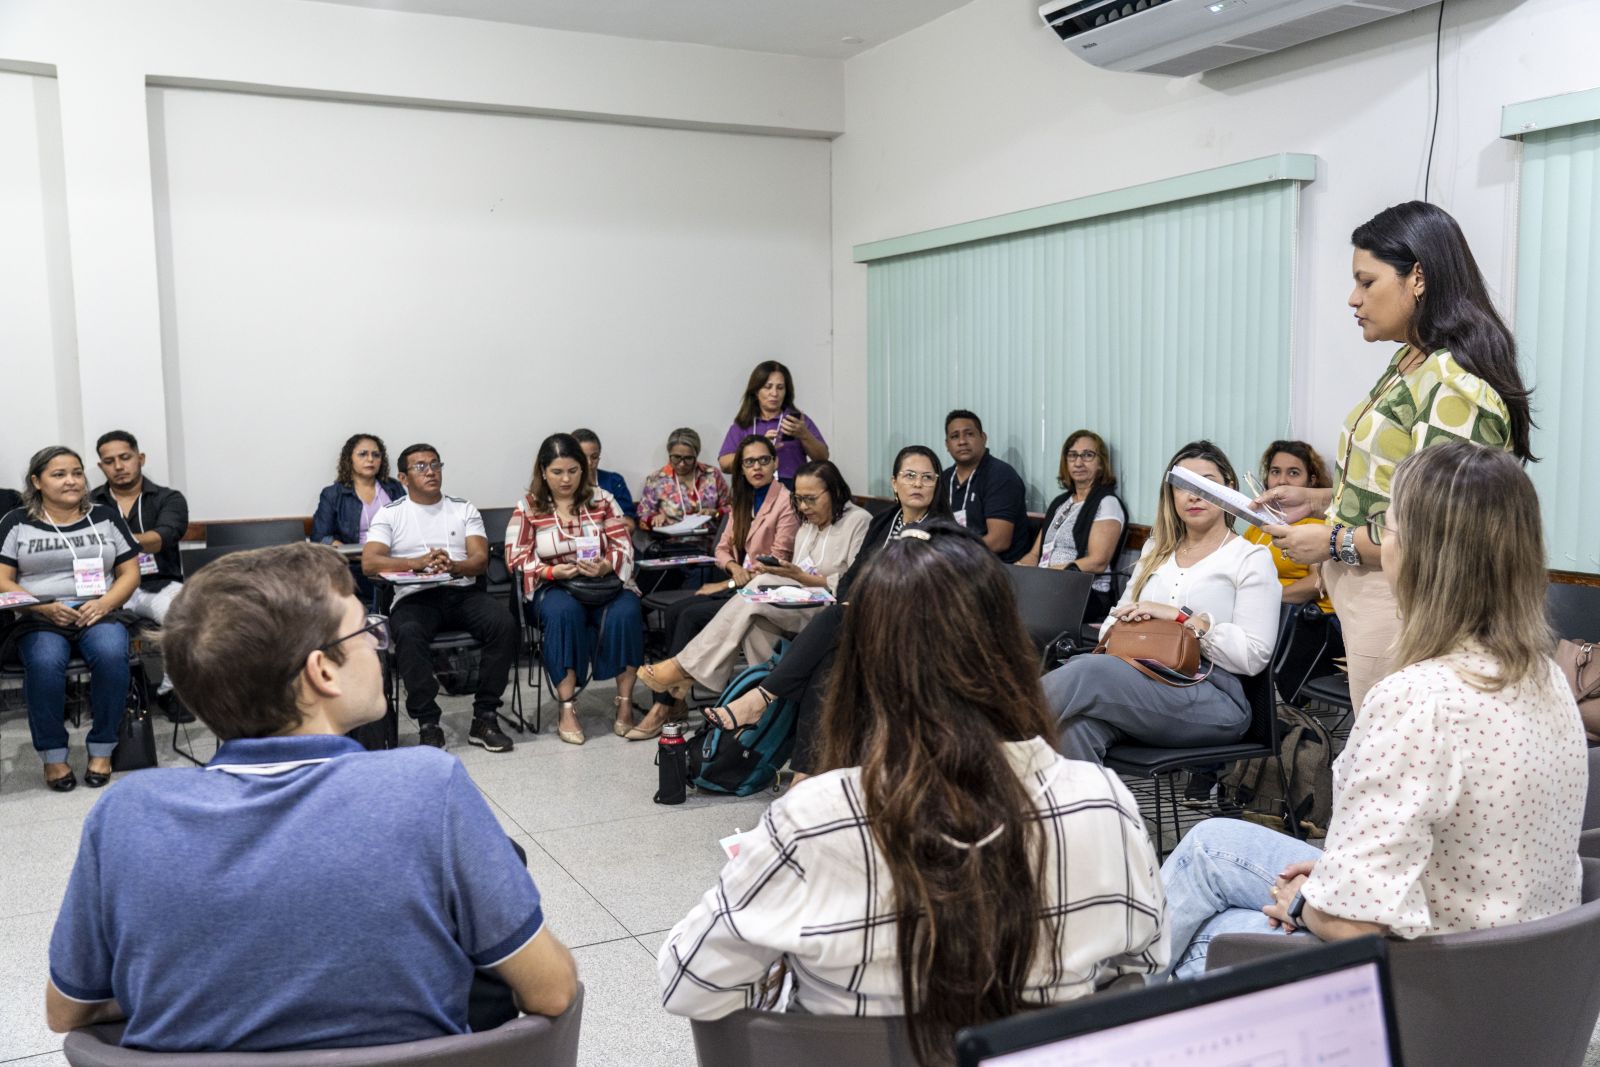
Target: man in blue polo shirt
column 298, row 892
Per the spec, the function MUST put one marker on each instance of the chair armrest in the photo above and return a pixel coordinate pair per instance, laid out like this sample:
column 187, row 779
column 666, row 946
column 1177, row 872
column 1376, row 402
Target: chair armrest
column 1229, row 950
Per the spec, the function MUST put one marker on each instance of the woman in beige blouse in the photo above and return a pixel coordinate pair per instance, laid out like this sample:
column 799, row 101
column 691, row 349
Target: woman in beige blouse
column 1458, row 800
column 830, row 536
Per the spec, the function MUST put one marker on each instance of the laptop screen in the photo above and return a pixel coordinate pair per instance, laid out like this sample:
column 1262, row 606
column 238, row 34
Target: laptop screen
column 1327, row 1018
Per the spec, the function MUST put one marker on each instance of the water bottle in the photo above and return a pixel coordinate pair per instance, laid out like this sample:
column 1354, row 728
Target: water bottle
column 672, row 764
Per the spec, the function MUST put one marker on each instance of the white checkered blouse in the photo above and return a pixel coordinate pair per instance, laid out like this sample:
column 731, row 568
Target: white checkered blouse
column 811, row 890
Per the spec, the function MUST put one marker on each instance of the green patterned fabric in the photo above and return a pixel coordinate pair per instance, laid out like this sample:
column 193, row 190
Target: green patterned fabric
column 1437, row 401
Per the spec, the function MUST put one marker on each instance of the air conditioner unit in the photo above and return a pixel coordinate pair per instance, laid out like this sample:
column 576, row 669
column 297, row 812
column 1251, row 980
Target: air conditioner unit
column 1180, row 37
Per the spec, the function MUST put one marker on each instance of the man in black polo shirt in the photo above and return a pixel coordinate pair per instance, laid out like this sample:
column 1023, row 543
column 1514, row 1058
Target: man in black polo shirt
column 9, row 498
column 158, row 517
column 985, row 494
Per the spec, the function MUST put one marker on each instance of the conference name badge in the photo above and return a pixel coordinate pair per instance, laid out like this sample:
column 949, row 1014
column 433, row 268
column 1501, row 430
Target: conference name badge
column 147, row 563
column 89, row 577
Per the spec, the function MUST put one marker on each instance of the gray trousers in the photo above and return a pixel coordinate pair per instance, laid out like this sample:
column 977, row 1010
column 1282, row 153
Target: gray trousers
column 1100, row 700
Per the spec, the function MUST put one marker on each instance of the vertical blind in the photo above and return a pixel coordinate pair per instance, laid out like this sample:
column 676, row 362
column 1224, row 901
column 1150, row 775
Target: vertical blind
column 1558, row 332
column 1152, row 327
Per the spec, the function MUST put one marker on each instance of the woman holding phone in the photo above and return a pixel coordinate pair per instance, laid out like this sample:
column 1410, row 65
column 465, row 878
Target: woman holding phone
column 1453, row 378
column 768, row 410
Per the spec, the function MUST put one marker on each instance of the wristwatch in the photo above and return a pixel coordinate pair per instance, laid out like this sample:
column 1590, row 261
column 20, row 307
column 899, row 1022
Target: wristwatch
column 732, row 584
column 1348, row 553
column 1296, row 907
column 1185, row 613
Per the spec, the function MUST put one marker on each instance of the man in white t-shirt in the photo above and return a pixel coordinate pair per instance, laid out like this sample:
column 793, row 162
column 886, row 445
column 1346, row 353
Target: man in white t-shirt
column 440, row 540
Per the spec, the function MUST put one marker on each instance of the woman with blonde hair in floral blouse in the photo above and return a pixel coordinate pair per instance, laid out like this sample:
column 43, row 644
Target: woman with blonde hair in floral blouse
column 1454, row 378
column 1458, row 801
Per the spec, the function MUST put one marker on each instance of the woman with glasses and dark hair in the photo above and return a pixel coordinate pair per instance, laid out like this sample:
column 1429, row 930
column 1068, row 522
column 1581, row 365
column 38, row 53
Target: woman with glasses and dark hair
column 802, row 673
column 1083, row 525
column 683, row 488
column 1194, row 570
column 1458, row 800
column 81, row 558
column 827, row 544
column 361, row 486
column 767, row 409
column 949, row 865
column 762, row 521
column 1454, row 378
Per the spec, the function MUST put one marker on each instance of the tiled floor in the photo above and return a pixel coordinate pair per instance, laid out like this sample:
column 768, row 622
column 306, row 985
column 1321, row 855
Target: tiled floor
column 616, row 870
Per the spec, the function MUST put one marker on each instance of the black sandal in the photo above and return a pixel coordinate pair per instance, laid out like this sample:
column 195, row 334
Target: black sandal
column 65, row 784
column 732, row 723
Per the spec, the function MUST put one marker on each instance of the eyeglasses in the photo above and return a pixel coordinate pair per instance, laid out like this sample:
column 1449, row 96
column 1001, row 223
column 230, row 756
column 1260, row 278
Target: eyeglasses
column 757, row 462
column 917, row 478
column 1088, row 455
column 377, row 626
column 679, row 460
column 424, row 468
column 364, row 454
column 1378, row 526
column 807, row 501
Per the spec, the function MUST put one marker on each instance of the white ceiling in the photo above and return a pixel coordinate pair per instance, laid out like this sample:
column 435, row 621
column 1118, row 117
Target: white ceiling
column 793, row 27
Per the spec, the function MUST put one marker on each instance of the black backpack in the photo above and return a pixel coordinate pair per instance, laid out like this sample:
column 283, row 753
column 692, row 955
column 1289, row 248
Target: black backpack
column 1306, row 748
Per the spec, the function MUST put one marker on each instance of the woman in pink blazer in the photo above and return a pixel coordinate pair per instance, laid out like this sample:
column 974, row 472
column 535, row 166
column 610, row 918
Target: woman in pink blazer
column 761, row 522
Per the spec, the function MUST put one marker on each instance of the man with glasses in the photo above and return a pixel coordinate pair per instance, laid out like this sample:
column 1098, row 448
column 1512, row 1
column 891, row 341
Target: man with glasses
column 984, row 493
column 438, row 546
column 299, row 892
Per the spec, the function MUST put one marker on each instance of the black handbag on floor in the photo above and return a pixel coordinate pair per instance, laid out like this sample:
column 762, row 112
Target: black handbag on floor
column 136, row 742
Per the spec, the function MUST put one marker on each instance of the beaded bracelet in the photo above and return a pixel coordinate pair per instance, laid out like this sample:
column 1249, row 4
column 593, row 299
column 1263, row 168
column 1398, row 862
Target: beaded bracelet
column 1333, row 543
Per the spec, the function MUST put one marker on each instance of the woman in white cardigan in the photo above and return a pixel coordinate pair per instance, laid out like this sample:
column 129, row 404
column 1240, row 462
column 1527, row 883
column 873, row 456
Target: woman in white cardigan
column 829, row 539
column 1196, row 570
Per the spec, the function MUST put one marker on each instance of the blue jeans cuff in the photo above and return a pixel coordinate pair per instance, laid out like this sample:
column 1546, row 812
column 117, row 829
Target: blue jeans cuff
column 53, row 755
column 101, row 749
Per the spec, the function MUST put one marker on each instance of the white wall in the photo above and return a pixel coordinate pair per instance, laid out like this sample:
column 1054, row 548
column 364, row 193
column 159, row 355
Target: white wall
column 476, row 281
column 984, row 112
column 111, row 339
column 37, row 352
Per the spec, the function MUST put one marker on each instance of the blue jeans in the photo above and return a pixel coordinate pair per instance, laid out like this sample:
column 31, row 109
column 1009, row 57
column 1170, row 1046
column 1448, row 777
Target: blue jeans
column 609, row 637
column 44, row 654
column 1217, row 881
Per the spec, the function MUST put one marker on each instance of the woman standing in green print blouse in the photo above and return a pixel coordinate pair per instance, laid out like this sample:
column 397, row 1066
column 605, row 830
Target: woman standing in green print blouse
column 1454, row 377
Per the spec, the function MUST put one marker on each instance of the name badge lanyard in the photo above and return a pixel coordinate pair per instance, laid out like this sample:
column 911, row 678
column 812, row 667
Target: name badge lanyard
column 683, row 501
column 147, row 560
column 827, row 538
column 966, row 491
column 583, row 535
column 88, row 575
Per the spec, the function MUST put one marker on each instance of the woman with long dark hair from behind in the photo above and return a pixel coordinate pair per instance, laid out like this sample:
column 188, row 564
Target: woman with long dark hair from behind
column 1454, row 378
column 894, row 883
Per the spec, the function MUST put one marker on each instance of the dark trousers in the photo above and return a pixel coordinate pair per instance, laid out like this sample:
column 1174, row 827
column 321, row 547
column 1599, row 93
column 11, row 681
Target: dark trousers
column 419, row 617
column 802, row 674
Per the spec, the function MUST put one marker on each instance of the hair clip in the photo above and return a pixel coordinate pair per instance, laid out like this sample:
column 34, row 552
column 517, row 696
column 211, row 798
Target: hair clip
column 920, row 535
column 986, row 839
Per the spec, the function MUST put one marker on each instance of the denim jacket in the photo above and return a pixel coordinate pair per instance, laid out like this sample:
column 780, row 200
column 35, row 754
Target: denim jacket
column 338, row 516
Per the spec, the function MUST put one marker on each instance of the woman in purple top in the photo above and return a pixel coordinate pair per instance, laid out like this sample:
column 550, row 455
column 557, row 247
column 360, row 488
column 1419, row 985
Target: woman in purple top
column 768, row 410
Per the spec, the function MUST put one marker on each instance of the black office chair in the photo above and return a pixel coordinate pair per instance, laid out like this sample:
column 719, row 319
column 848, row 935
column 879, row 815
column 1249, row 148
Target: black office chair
column 1574, row 610
column 1161, row 765
column 1051, row 604
column 255, row 533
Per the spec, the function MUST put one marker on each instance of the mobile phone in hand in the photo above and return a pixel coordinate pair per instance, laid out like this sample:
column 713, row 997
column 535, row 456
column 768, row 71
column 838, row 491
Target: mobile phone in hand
column 769, row 561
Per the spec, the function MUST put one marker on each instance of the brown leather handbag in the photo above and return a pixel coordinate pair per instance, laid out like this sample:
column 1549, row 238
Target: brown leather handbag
column 1162, row 649
column 1582, row 669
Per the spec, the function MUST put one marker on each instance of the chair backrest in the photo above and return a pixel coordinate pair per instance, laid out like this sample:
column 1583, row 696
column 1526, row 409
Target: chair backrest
column 1591, row 804
column 192, row 559
column 495, row 521
column 255, row 533
column 1051, row 602
column 795, row 1039
column 1574, row 610
column 1119, row 577
column 1264, row 728
column 530, row 1039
